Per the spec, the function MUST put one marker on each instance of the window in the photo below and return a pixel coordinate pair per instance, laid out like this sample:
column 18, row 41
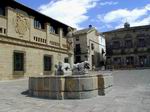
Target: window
column 1, row 30
column 128, row 43
column 47, row 63
column 38, row 24
column 18, row 61
column 77, row 38
column 129, row 60
column 141, row 43
column 78, row 59
column 2, row 11
column 117, row 60
column 78, row 49
column 92, row 46
column 66, row 60
column 116, row 44
column 52, row 30
column 4, row 31
column 143, row 61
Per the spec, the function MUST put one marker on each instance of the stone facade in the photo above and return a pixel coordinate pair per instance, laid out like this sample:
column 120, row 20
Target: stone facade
column 28, row 40
column 88, row 47
column 128, row 47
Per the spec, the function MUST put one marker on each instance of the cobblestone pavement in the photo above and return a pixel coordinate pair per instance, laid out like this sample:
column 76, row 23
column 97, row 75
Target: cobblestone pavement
column 131, row 93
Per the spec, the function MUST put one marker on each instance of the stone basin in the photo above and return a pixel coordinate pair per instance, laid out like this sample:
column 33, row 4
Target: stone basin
column 69, row 87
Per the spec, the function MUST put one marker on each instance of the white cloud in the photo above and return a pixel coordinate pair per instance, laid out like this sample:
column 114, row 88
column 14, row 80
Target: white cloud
column 108, row 3
column 147, row 7
column 71, row 12
column 124, row 14
column 136, row 17
column 144, row 21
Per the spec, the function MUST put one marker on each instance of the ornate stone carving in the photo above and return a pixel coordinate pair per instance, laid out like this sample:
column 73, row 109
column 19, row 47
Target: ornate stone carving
column 71, row 84
column 70, row 39
column 70, row 44
column 21, row 24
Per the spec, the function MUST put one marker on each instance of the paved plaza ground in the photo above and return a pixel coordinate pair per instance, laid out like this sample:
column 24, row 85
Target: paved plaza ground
column 131, row 93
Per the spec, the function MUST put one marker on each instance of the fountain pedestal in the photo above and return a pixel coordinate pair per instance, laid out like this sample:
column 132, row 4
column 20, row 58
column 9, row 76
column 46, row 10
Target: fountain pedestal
column 69, row 87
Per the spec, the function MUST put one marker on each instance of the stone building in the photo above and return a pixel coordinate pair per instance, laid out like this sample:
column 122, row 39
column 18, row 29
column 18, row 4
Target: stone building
column 128, row 47
column 87, row 47
column 30, row 43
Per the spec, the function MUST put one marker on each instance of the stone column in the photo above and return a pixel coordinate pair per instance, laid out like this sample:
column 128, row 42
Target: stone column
column 47, row 26
column 10, row 21
column 60, row 32
column 31, row 28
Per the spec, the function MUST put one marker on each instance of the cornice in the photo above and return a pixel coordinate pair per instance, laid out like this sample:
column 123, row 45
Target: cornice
column 19, row 42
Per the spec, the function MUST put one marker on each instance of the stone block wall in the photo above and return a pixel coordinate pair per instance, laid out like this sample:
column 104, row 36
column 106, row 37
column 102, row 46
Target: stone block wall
column 33, row 63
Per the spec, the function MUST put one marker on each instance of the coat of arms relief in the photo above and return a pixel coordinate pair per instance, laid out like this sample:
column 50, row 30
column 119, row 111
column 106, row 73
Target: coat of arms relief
column 21, row 24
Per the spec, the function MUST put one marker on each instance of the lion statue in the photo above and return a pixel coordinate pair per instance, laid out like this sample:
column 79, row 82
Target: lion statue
column 63, row 69
column 81, row 68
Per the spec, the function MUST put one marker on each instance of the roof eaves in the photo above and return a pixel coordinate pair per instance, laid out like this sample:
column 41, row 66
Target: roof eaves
column 22, row 5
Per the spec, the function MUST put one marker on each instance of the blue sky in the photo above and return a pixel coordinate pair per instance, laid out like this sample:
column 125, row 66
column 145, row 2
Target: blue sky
column 105, row 15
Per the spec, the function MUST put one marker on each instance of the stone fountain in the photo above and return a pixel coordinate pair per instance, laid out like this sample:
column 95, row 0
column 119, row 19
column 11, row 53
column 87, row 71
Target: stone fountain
column 77, row 83
column 70, row 82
